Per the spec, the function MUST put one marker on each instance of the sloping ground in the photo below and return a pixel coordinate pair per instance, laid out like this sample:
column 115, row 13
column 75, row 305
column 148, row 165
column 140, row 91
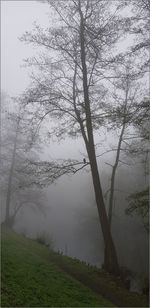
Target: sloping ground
column 30, row 279
column 101, row 282
column 35, row 276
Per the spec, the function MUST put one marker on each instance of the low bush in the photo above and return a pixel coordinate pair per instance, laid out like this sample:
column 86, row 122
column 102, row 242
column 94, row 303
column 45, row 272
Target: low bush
column 45, row 239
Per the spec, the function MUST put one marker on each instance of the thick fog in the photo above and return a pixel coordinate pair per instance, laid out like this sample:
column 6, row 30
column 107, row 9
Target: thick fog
column 70, row 217
column 71, row 220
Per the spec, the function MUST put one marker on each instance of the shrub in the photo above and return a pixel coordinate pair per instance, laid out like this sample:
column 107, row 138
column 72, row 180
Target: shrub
column 45, row 239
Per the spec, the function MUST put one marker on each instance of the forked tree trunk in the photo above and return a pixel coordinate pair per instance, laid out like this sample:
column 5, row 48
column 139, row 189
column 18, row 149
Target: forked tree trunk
column 111, row 260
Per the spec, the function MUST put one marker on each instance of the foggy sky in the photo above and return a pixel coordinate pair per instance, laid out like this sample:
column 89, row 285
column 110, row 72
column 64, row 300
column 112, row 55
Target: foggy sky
column 16, row 18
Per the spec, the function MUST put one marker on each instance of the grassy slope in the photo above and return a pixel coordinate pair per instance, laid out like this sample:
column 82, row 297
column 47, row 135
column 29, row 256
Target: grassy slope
column 30, row 279
column 34, row 276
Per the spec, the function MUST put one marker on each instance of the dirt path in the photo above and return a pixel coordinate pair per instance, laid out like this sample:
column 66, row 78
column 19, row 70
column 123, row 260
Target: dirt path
column 117, row 295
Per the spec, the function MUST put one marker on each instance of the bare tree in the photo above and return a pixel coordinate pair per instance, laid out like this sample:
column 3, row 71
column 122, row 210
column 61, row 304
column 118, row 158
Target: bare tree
column 69, row 87
column 15, row 153
column 127, row 103
column 139, row 31
column 29, row 198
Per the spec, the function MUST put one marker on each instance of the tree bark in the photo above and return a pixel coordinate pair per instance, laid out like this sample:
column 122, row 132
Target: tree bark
column 111, row 261
column 114, row 169
column 9, row 190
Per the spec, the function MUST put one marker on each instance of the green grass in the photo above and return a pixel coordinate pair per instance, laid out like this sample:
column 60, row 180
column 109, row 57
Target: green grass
column 35, row 276
column 30, row 279
column 108, row 286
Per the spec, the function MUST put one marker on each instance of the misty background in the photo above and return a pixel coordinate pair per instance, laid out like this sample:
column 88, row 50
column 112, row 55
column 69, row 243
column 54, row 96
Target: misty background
column 70, row 214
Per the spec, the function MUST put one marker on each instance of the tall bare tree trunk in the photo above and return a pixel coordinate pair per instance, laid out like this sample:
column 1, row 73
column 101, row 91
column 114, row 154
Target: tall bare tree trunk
column 9, row 190
column 111, row 262
column 114, row 169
